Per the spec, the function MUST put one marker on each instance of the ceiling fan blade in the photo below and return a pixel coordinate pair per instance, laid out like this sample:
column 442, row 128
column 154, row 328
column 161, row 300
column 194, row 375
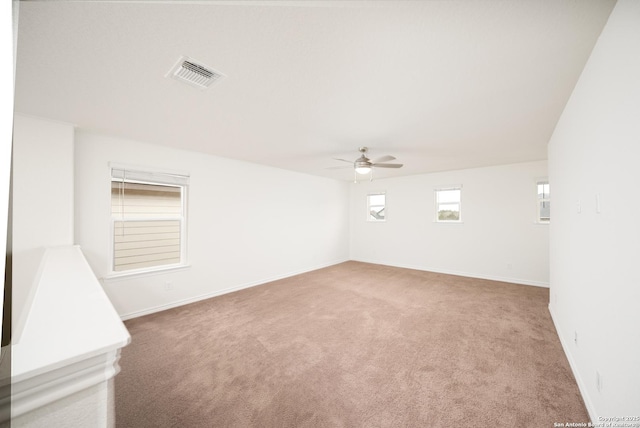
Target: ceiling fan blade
column 344, row 160
column 383, row 159
column 387, row 165
column 339, row 167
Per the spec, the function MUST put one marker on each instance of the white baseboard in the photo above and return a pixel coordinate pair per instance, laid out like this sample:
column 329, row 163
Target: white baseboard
column 194, row 299
column 459, row 273
column 581, row 385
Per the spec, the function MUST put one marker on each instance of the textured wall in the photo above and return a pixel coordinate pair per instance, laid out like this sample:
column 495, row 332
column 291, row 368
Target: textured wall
column 247, row 224
column 497, row 239
column 42, row 201
column 595, row 237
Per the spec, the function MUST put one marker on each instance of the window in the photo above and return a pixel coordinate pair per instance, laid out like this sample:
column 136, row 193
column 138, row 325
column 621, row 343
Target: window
column 448, row 204
column 148, row 220
column 376, row 207
column 543, row 202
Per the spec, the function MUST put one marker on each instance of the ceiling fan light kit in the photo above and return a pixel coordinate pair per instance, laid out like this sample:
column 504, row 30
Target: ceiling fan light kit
column 363, row 169
column 363, row 165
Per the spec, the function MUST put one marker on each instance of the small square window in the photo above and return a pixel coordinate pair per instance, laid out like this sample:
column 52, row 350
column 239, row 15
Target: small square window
column 376, row 207
column 448, row 204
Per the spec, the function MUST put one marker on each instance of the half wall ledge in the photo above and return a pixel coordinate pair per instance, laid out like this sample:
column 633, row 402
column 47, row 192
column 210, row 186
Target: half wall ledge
column 70, row 341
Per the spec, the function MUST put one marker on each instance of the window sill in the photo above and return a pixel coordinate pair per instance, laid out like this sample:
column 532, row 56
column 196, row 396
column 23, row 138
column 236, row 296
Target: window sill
column 151, row 272
column 542, row 223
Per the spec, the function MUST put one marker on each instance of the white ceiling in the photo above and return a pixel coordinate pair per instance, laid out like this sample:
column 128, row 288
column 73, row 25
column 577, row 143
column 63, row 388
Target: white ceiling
column 440, row 85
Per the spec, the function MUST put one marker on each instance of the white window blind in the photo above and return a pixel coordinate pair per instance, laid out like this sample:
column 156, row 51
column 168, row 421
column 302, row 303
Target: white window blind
column 149, row 176
column 148, row 219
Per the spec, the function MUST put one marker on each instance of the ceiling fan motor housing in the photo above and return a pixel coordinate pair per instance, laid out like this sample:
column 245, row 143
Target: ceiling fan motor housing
column 364, row 165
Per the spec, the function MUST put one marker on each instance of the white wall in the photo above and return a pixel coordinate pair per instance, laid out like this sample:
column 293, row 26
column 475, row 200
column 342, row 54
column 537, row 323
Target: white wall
column 498, row 238
column 42, row 201
column 595, row 281
column 247, row 224
column 8, row 39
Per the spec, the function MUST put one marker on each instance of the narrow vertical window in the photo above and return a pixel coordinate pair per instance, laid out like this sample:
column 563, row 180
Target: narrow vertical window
column 148, row 221
column 449, row 204
column 376, row 207
column 543, row 202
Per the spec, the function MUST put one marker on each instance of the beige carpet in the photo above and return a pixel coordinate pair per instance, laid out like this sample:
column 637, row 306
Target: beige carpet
column 352, row 345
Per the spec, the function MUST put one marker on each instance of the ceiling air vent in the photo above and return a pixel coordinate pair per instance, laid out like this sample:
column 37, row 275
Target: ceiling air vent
column 191, row 72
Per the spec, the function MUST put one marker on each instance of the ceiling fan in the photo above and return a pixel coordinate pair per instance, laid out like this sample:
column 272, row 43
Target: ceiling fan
column 364, row 165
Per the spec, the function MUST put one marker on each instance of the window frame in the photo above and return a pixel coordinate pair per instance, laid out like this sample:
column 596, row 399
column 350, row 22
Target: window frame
column 437, row 204
column 538, row 182
column 369, row 217
column 150, row 176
